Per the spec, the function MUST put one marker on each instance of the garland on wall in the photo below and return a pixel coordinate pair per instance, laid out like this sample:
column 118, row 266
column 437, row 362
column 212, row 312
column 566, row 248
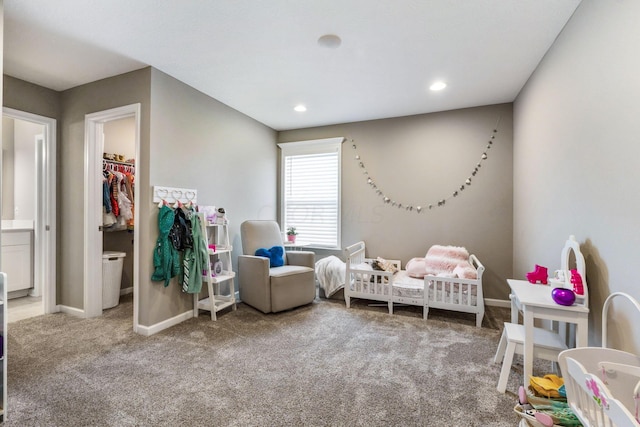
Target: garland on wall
column 427, row 206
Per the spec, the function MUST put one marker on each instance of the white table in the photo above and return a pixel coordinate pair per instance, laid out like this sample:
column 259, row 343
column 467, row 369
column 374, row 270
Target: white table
column 536, row 303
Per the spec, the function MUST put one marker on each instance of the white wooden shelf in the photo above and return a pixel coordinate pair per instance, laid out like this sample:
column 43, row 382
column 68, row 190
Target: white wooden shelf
column 223, row 277
column 219, row 251
column 221, row 287
column 219, row 303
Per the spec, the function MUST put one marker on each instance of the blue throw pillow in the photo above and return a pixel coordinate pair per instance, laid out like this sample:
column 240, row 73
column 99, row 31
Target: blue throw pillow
column 275, row 255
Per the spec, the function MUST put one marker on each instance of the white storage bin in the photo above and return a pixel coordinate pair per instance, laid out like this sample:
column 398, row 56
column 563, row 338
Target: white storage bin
column 111, row 277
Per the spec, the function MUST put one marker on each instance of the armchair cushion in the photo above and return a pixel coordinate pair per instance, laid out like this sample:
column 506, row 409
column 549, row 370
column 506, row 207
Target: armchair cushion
column 275, row 255
column 305, row 258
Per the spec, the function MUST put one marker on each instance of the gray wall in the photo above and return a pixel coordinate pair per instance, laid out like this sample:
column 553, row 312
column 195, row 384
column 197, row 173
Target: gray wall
column 29, row 97
column 102, row 95
column 198, row 142
column 576, row 157
column 418, row 160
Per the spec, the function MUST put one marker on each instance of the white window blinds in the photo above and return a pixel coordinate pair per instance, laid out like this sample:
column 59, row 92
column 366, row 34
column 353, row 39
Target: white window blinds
column 310, row 190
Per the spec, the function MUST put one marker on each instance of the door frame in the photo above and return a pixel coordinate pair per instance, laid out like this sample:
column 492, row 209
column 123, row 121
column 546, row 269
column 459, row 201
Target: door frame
column 93, row 149
column 45, row 222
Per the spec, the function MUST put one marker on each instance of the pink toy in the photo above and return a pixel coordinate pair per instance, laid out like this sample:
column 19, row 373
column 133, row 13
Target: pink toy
column 212, row 247
column 540, row 274
column 576, row 281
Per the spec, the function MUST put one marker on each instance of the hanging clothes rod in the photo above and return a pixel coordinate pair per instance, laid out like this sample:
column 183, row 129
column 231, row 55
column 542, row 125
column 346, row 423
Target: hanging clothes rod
column 118, row 166
column 115, row 162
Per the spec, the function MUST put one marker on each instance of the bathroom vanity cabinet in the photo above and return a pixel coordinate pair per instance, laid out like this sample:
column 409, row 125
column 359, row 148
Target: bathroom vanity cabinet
column 17, row 260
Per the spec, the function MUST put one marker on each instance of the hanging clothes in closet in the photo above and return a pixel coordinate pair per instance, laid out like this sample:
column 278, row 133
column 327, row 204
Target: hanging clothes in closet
column 118, row 186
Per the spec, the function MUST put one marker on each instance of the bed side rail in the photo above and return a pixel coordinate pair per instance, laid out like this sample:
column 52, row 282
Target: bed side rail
column 475, row 262
column 454, row 291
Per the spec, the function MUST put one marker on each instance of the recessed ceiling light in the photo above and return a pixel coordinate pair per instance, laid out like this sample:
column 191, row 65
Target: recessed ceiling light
column 438, row 86
column 330, row 41
column 300, row 108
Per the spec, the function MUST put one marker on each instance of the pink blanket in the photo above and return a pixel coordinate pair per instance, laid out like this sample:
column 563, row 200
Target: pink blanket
column 447, row 261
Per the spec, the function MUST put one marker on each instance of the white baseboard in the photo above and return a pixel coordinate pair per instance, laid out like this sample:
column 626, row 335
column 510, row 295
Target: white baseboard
column 497, row 302
column 70, row 310
column 125, row 291
column 154, row 329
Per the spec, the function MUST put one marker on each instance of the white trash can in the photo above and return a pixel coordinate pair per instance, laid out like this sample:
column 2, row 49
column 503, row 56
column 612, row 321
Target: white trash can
column 112, row 262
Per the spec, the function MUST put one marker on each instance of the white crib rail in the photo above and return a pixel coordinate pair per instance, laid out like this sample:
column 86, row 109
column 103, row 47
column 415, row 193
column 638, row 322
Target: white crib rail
column 605, row 401
column 592, row 402
column 605, row 311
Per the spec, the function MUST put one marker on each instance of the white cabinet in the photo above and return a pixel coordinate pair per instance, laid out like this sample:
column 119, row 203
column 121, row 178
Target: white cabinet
column 218, row 274
column 17, row 259
column 3, row 346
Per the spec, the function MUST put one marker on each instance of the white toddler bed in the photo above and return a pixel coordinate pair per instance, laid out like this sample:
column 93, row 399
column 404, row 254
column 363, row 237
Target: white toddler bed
column 448, row 293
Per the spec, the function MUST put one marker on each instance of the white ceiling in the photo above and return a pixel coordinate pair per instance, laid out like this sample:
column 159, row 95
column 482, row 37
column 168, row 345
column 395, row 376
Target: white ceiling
column 262, row 57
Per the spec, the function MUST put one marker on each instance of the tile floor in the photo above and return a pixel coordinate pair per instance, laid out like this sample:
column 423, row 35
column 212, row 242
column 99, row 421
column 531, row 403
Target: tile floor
column 24, row 307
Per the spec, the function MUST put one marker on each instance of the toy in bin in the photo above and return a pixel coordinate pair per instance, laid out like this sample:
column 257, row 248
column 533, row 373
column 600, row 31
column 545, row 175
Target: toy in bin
column 545, row 412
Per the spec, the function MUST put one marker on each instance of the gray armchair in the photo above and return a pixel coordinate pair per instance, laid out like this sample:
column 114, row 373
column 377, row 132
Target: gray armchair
column 274, row 289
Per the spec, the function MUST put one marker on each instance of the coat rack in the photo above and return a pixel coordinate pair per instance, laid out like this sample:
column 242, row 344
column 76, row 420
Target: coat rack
column 172, row 194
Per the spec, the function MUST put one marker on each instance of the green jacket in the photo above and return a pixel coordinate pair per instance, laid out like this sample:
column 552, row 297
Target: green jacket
column 166, row 259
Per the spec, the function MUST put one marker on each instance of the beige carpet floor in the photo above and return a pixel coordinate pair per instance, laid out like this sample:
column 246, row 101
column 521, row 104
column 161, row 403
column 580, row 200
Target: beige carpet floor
column 318, row 365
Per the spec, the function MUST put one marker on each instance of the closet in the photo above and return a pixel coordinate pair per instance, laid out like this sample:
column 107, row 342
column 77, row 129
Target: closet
column 118, row 209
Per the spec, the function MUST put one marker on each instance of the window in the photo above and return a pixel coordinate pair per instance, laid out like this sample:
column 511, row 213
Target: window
column 310, row 190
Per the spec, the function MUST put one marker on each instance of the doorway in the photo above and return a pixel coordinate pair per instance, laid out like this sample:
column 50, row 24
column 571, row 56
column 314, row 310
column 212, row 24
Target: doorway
column 29, row 215
column 97, row 147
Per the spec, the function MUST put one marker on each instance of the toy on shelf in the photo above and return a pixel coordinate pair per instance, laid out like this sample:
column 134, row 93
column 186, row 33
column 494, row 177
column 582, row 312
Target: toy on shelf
column 540, row 274
column 221, row 217
column 576, row 281
column 563, row 296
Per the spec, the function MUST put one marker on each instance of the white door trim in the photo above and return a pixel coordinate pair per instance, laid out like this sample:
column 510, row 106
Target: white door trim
column 45, row 221
column 93, row 148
